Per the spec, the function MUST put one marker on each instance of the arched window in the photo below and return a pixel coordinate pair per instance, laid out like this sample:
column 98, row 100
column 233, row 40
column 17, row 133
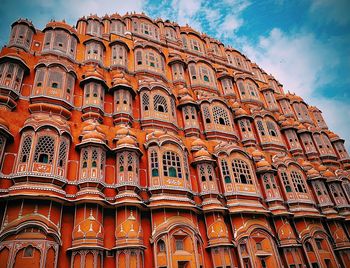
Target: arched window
column 154, row 164
column 139, row 57
column 117, row 27
column 84, row 159
column 225, row 172
column 308, row 247
column 145, row 102
column 130, row 162
column 220, row 116
column 241, row 172
column 94, row 27
column 161, row 246
column 160, row 104
column 286, row 182
column 119, row 55
column 28, row 252
column 62, row 154
column 172, row 165
column 261, row 127
column 26, row 146
column 298, row 182
column 206, row 115
column 272, row 128
column 44, row 150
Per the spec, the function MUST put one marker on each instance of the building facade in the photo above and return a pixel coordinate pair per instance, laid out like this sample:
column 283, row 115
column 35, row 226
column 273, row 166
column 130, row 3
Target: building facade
column 132, row 142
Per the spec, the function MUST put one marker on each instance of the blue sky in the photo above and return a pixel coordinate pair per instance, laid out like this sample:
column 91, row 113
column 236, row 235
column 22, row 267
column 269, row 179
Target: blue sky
column 304, row 44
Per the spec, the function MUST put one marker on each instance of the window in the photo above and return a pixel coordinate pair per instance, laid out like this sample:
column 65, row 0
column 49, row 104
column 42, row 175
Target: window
column 258, row 246
column 172, row 165
column 179, row 243
column 286, row 182
column 94, row 28
column 117, row 27
column 160, row 104
column 161, row 246
column 272, row 128
column 220, row 116
column 206, row 115
column 261, row 127
column 154, row 164
column 298, row 182
column 241, row 172
column 308, row 247
column 26, row 145
column 145, row 101
column 319, row 243
column 225, row 171
column 28, row 252
column 118, row 55
column 44, row 150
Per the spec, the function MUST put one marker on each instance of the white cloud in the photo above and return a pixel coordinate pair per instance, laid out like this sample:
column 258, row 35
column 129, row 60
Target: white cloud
column 332, row 11
column 186, row 12
column 302, row 64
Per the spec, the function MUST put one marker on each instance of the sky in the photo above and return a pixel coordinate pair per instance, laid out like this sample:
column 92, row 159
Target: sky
column 304, row 44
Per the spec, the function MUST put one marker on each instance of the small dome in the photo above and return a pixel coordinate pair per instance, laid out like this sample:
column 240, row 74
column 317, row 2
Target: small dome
column 182, row 90
column 89, row 228
column 263, row 163
column 93, row 131
column 312, row 172
column 118, row 78
column 201, row 153
column 257, row 153
column 186, row 99
column 235, row 105
column 321, row 168
column 198, row 143
column 240, row 112
column 127, row 140
column 328, row 174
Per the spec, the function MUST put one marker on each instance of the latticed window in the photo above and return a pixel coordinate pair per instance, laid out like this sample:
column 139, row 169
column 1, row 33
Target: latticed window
column 195, row 45
column 154, row 164
column 225, row 171
column 26, row 146
column 160, row 104
column 94, row 158
column 347, row 188
column 85, row 158
column 286, row 182
column 172, row 104
column 206, row 115
column 298, row 182
column 62, row 154
column 261, row 127
column 202, row 173
column 272, row 128
column 130, row 162
column 241, row 172
column 121, row 163
column 44, row 150
column 145, row 102
column 170, row 33
column 94, row 51
column 172, row 165
column 220, row 116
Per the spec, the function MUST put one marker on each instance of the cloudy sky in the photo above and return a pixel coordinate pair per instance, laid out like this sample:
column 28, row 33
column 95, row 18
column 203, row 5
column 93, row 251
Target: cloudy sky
column 304, row 44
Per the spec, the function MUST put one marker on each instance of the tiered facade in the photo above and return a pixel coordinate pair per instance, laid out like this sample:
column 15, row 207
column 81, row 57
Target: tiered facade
column 132, row 142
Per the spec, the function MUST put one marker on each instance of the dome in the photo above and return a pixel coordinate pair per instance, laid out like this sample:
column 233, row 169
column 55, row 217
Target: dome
column 182, row 90
column 201, row 153
column 312, row 172
column 328, row 174
column 93, row 132
column 89, row 228
column 257, row 153
column 240, row 112
column 198, row 143
column 127, row 140
column 263, row 163
column 119, row 79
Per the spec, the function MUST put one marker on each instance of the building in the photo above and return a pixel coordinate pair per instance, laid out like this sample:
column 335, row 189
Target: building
column 132, row 142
